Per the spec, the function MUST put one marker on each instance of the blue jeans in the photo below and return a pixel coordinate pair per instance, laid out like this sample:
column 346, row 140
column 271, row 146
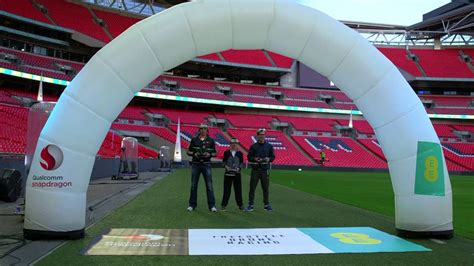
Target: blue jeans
column 196, row 171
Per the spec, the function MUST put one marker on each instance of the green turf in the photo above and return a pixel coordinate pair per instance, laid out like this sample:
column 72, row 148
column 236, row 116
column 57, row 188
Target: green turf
column 373, row 191
column 164, row 204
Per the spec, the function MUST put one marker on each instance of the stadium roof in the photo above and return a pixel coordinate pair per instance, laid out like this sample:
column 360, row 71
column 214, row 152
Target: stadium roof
column 455, row 17
column 451, row 24
column 164, row 3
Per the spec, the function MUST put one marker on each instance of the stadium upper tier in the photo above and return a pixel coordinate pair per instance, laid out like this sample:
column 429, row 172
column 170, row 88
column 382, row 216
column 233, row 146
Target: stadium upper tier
column 76, row 17
column 105, row 24
column 24, row 8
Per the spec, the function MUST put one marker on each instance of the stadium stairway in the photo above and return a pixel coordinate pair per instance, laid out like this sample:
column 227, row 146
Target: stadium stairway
column 38, row 6
column 369, row 150
column 158, row 141
column 420, row 68
column 158, row 136
column 290, row 139
column 456, row 163
column 239, row 146
column 269, row 58
column 104, row 28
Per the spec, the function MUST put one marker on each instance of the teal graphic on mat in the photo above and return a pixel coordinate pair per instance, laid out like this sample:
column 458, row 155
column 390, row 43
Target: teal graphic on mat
column 360, row 240
column 429, row 169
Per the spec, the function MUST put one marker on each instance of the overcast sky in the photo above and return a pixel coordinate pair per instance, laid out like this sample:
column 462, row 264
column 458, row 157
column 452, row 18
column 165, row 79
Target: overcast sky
column 397, row 12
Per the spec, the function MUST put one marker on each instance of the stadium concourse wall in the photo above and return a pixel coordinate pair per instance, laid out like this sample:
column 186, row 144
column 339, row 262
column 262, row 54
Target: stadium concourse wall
column 66, row 150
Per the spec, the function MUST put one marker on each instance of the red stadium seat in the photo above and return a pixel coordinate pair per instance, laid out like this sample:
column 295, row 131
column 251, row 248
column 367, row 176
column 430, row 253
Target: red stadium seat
column 443, row 63
column 249, row 57
column 399, row 57
column 341, row 152
column 285, row 152
column 23, row 8
column 68, row 15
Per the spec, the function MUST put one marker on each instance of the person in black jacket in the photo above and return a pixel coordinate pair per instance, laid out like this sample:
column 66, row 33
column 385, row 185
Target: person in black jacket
column 202, row 148
column 233, row 160
column 260, row 156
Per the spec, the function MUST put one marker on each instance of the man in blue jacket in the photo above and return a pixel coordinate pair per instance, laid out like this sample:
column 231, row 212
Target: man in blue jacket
column 260, row 156
column 202, row 148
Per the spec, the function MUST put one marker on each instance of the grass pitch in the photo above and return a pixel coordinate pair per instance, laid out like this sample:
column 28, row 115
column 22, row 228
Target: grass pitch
column 373, row 191
column 300, row 199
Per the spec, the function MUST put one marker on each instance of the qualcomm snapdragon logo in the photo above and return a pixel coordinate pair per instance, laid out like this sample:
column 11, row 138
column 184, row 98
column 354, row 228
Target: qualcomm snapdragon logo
column 51, row 157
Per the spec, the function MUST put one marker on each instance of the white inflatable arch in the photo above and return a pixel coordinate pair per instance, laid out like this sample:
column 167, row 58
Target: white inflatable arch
column 66, row 150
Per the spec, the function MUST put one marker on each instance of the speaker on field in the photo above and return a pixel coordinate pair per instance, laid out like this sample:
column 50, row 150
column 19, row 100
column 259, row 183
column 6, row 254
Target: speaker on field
column 10, row 185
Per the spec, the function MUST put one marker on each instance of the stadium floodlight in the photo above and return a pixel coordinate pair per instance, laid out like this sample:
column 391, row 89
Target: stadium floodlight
column 86, row 109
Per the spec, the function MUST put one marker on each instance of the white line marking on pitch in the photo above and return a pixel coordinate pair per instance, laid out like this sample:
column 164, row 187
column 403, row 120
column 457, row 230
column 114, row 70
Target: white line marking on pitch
column 437, row 241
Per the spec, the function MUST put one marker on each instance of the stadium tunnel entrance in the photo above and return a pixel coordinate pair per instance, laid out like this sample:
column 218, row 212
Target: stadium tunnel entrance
column 83, row 115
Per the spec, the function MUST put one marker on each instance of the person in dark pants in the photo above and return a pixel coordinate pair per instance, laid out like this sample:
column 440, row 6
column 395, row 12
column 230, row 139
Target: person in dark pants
column 260, row 156
column 323, row 157
column 202, row 148
column 233, row 160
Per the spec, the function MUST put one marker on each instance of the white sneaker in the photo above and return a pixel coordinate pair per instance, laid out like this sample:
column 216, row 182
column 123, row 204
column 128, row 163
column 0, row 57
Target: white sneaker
column 190, row 209
column 213, row 209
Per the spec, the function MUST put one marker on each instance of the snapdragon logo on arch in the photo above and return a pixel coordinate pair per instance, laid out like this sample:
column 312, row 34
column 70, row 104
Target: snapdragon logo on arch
column 51, row 157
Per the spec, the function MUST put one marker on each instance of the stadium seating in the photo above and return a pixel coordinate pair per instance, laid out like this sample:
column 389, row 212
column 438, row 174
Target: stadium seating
column 469, row 128
column 337, row 95
column 309, row 124
column 246, row 121
column 116, row 23
column 453, row 101
column 23, row 8
column 362, row 126
column 297, row 93
column 249, row 57
column 159, row 91
column 13, row 130
column 222, row 143
column 255, row 99
column 6, row 97
column 67, row 15
column 8, row 65
column 280, row 60
column 186, row 117
column 37, row 64
column 399, row 57
column 443, row 63
column 192, row 83
column 461, row 153
column 133, row 112
column 460, row 111
column 203, row 95
column 345, row 152
column 111, row 145
column 452, row 162
column 28, row 94
column 454, row 166
column 162, row 132
column 246, row 89
column 285, row 152
column 14, row 121
column 373, row 146
column 469, row 52
column 212, row 57
column 341, row 152
column 436, row 63
column 306, row 103
column 345, row 106
column 444, row 131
